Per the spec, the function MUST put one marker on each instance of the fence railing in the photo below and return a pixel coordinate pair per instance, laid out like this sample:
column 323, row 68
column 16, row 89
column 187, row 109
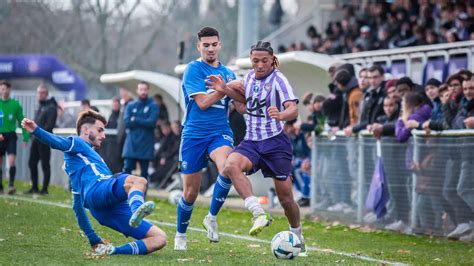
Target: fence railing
column 430, row 180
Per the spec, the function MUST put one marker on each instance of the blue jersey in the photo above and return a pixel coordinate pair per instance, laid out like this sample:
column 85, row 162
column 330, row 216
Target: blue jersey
column 213, row 121
column 82, row 163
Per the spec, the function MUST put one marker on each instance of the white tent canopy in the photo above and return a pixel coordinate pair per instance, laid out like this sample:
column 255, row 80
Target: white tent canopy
column 166, row 85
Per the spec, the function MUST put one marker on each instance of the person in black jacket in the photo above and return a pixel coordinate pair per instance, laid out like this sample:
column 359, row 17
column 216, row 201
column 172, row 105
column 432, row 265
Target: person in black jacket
column 448, row 110
column 114, row 116
column 372, row 100
column 45, row 117
column 166, row 157
column 385, row 124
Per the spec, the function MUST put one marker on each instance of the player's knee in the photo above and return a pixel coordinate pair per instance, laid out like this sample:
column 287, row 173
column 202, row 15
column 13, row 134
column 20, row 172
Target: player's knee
column 159, row 241
column 135, row 180
column 190, row 195
column 287, row 202
column 230, row 169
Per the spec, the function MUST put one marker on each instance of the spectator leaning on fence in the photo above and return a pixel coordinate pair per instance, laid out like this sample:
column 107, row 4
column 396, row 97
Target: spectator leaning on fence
column 45, row 117
column 11, row 113
column 414, row 113
column 465, row 116
column 385, row 125
column 318, row 120
column 363, row 80
column 465, row 186
column 333, row 104
column 432, row 92
column 372, row 100
column 447, row 112
column 347, row 83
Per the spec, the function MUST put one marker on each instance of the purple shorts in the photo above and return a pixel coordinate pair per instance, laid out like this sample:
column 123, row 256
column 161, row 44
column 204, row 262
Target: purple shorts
column 272, row 156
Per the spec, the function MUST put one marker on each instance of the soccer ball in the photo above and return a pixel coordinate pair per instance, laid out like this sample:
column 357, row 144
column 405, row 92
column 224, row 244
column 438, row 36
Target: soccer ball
column 286, row 245
column 174, row 196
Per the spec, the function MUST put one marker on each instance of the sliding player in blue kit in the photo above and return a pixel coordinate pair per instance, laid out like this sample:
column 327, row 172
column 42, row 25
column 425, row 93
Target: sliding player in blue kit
column 206, row 133
column 115, row 201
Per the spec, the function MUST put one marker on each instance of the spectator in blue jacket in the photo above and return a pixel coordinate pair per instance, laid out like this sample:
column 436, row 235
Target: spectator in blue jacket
column 140, row 121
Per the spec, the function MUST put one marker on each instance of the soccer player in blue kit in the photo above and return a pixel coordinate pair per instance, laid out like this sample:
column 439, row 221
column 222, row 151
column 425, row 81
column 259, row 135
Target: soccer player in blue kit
column 115, row 201
column 206, row 133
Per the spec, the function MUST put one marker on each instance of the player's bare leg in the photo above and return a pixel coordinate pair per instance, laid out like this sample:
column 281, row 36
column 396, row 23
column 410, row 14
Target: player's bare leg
column 235, row 165
column 284, row 191
column 155, row 239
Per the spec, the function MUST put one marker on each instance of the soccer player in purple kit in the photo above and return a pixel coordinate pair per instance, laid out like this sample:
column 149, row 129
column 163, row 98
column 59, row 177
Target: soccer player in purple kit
column 270, row 100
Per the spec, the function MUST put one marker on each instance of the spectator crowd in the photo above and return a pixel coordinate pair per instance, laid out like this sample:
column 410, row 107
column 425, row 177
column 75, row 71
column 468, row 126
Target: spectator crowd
column 366, row 100
column 382, row 25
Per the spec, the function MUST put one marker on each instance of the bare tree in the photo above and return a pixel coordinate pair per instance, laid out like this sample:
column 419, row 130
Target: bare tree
column 100, row 36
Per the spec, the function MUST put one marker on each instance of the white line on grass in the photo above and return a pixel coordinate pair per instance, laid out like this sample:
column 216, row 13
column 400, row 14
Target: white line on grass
column 248, row 238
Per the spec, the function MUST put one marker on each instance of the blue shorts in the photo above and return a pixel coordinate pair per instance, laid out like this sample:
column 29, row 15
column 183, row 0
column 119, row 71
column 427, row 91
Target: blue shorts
column 107, row 202
column 193, row 153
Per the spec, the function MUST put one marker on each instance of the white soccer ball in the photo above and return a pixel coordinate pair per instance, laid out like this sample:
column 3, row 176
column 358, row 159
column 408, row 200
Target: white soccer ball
column 174, row 196
column 286, row 245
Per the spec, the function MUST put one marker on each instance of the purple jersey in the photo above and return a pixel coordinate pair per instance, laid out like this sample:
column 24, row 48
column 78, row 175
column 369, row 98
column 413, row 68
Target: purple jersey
column 273, row 90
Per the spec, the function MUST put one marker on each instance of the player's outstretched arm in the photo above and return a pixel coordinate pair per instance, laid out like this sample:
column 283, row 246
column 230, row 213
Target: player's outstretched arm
column 205, row 101
column 233, row 89
column 52, row 140
column 83, row 220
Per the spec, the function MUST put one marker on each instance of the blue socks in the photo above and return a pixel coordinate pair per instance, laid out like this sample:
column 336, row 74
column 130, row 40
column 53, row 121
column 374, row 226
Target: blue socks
column 135, row 200
column 221, row 190
column 185, row 209
column 133, row 248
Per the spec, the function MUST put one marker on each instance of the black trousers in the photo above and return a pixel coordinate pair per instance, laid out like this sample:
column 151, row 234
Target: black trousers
column 40, row 152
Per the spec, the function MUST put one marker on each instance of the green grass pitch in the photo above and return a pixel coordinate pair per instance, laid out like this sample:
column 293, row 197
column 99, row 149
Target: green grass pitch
column 34, row 233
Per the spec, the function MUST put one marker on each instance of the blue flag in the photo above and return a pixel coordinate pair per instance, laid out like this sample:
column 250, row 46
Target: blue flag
column 378, row 194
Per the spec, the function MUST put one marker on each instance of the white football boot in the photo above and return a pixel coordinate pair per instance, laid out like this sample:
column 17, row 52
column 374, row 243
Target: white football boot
column 259, row 222
column 211, row 227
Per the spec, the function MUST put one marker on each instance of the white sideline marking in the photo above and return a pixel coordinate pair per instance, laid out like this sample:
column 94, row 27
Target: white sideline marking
column 248, row 238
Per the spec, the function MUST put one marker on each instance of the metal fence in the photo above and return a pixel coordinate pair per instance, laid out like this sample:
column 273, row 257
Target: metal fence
column 430, row 180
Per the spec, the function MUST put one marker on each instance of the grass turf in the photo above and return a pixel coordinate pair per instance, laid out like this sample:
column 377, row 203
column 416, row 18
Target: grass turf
column 32, row 233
